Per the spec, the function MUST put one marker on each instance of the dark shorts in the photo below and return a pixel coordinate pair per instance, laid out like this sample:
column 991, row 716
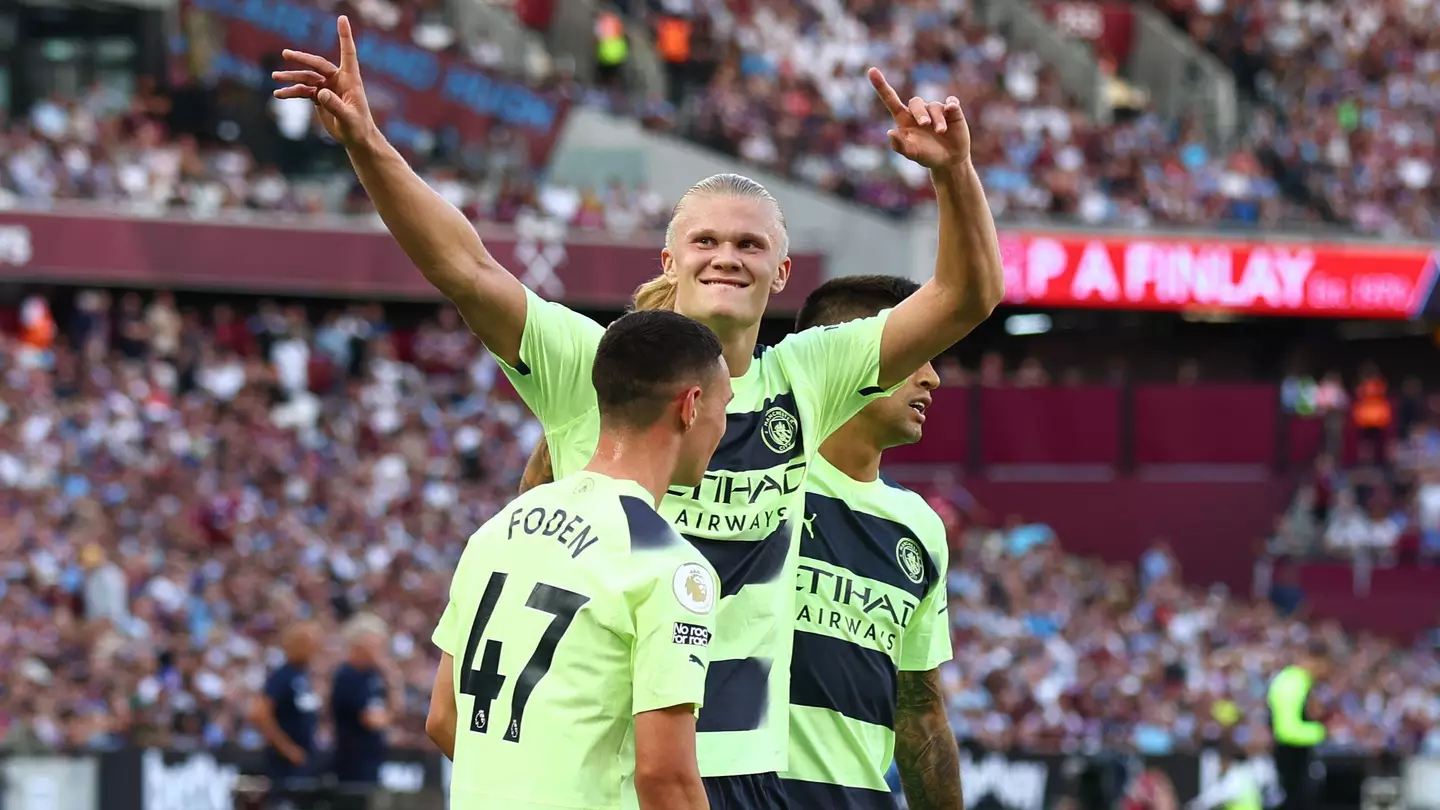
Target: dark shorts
column 752, row 791
column 819, row 796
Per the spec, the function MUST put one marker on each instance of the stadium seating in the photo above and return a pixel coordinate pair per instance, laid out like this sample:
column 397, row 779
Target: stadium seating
column 1347, row 91
column 181, row 483
column 97, row 147
column 786, row 90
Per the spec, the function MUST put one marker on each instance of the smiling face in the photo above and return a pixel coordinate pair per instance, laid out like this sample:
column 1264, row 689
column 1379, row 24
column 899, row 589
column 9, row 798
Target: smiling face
column 726, row 258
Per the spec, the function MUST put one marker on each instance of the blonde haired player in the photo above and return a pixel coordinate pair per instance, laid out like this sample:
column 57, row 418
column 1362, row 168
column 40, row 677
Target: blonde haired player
column 726, row 253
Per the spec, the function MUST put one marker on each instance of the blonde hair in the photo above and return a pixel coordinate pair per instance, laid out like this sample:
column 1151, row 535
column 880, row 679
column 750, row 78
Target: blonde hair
column 659, row 292
column 362, row 625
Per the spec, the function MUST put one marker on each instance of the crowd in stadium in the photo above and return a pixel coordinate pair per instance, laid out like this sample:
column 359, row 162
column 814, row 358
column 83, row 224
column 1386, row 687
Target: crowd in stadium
column 105, row 147
column 1352, row 86
column 1340, row 132
column 786, row 91
column 180, row 485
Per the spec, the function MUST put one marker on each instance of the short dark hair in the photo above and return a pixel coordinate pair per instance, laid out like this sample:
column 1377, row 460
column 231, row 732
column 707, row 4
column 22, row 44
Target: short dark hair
column 849, row 297
column 643, row 358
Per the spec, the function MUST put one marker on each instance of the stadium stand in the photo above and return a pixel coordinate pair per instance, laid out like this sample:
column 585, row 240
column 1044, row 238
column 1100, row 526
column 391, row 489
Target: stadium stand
column 181, row 479
column 783, row 88
column 118, row 151
column 308, row 468
column 1347, row 100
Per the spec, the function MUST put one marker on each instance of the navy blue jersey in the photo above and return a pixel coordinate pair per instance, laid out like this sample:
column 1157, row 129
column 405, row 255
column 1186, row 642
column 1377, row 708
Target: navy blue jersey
column 359, row 751
column 297, row 707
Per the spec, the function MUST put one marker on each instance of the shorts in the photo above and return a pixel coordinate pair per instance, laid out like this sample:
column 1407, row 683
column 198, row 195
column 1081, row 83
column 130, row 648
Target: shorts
column 751, row 791
column 820, row 796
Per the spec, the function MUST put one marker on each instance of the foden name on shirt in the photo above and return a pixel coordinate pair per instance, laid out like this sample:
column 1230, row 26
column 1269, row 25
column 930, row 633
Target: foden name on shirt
column 571, row 531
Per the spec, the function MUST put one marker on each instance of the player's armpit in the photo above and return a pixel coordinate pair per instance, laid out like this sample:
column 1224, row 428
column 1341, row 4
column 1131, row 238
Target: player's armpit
column 440, row 722
column 667, row 776
column 925, row 749
column 539, row 469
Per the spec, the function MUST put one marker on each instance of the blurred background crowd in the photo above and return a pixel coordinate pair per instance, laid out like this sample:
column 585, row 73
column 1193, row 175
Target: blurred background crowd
column 183, row 482
column 182, row 479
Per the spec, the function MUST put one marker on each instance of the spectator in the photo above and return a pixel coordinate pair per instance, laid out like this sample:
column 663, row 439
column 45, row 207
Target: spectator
column 105, row 587
column 1372, row 413
column 1287, row 595
column 287, row 713
column 361, row 706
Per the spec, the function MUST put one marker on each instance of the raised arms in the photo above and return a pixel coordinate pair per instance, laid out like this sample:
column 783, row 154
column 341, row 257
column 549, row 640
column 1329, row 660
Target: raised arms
column 432, row 232
column 969, row 281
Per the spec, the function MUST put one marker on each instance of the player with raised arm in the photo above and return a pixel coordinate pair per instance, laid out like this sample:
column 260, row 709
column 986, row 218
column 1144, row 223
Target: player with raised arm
column 725, row 254
column 576, row 636
column 871, row 626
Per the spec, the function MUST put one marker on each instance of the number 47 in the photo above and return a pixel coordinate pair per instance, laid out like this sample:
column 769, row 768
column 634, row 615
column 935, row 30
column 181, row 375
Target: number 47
column 484, row 684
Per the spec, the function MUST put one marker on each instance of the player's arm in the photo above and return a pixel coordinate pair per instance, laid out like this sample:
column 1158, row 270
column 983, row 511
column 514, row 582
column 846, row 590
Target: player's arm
column 445, row 248
column 441, row 720
column 433, row 233
column 925, row 748
column 539, row 469
column 969, row 279
column 667, row 776
column 262, row 716
column 673, row 613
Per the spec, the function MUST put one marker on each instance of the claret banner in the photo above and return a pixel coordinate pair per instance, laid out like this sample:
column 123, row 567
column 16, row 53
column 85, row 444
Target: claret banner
column 1334, row 280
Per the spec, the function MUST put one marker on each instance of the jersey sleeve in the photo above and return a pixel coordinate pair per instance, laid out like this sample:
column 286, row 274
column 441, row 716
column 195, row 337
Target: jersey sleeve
column 673, row 609
column 556, row 353
column 835, row 370
column 927, row 639
column 445, row 632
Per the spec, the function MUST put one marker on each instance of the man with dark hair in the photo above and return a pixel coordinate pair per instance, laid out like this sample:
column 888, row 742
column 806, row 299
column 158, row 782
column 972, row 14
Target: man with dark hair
column 865, row 681
column 638, row 360
column 848, row 298
column 579, row 621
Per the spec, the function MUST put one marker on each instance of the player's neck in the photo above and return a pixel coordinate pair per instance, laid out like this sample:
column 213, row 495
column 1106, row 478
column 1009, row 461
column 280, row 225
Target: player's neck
column 738, row 345
column 851, row 452
column 635, row 457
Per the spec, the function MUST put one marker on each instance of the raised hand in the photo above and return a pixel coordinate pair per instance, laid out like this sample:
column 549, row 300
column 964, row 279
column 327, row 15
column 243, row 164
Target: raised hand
column 338, row 93
column 931, row 133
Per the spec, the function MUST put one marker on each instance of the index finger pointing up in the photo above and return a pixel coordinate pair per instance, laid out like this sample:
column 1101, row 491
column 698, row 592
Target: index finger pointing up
column 887, row 93
column 349, row 60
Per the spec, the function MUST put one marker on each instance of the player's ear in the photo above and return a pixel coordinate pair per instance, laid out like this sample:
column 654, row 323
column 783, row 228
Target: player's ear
column 667, row 265
column 782, row 276
column 689, row 406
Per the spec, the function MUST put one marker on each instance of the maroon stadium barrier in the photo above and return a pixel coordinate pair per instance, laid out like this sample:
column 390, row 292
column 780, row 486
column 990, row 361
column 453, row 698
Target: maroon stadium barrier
column 341, row 260
column 1112, row 426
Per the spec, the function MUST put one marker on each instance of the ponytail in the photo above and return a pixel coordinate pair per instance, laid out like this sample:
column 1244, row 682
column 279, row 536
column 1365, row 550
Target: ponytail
column 657, row 293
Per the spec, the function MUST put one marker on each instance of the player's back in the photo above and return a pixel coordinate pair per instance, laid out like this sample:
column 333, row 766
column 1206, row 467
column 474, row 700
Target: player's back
column 565, row 619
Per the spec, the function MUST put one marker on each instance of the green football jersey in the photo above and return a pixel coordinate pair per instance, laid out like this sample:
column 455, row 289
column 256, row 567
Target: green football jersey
column 744, row 517
column 571, row 611
column 871, row 603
